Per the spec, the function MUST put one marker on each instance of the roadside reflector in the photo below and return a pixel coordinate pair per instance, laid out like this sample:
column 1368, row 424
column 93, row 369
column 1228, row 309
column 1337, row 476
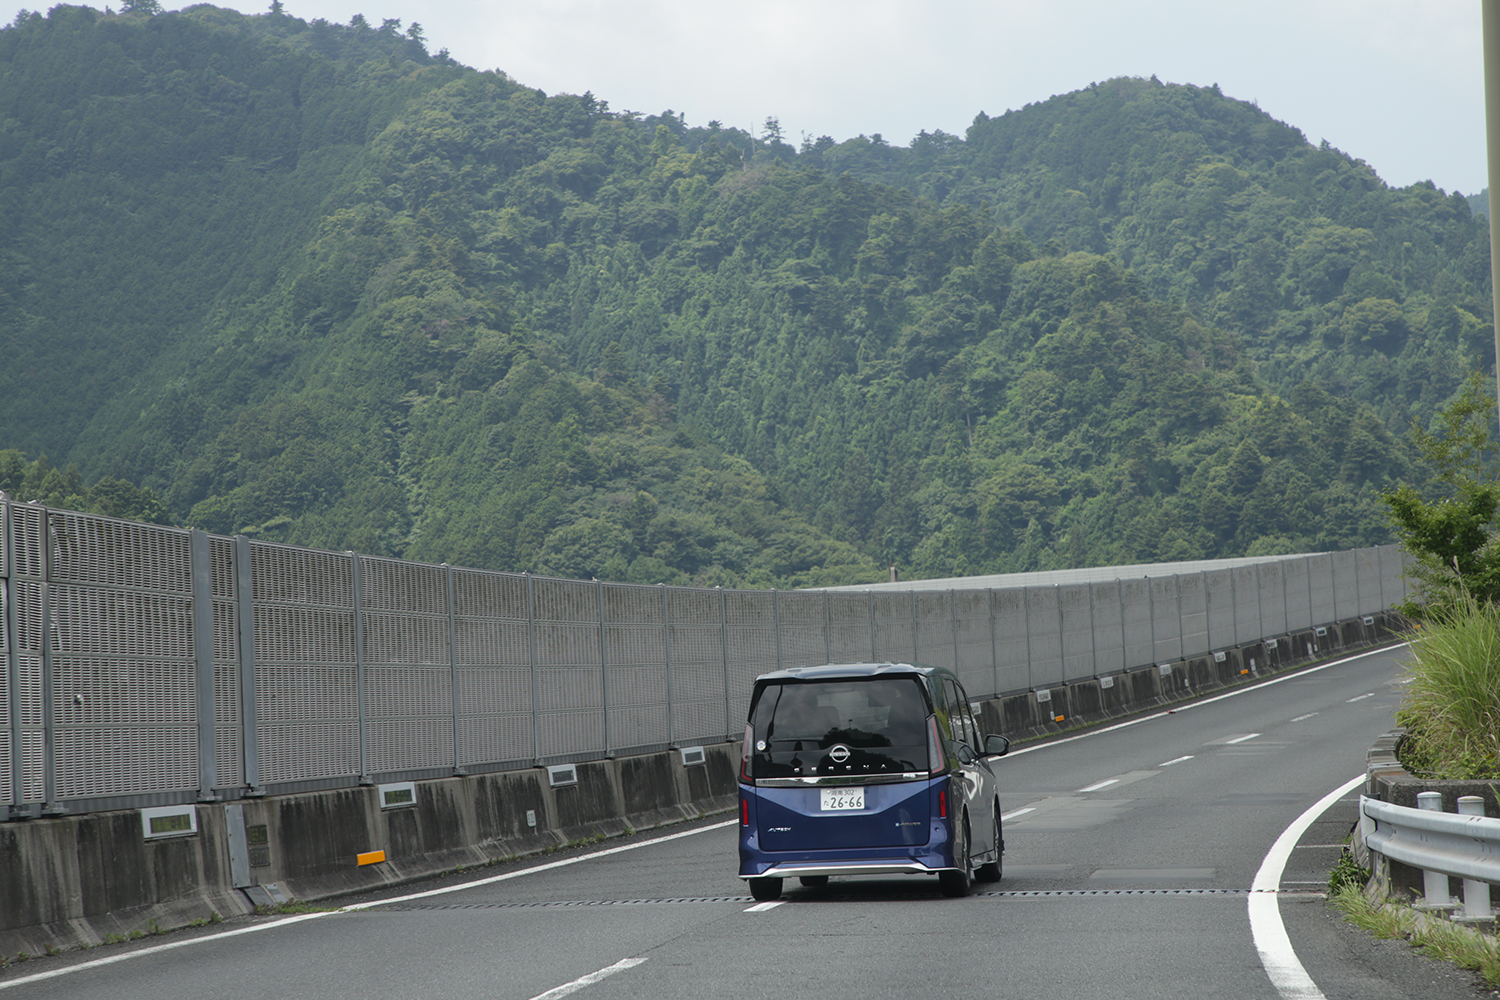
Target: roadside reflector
column 1057, row 718
column 942, row 803
column 371, row 858
column 744, row 812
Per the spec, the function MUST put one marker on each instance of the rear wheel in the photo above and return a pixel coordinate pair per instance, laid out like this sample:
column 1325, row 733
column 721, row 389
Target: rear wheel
column 991, row 871
column 813, row 881
column 765, row 889
column 955, row 881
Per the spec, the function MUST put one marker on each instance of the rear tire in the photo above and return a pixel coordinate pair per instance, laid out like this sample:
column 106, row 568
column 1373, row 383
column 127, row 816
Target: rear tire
column 955, row 881
column 991, row 871
column 813, row 881
column 765, row 889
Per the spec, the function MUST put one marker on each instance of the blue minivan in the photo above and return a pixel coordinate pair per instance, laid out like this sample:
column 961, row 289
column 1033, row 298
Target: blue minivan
column 867, row 769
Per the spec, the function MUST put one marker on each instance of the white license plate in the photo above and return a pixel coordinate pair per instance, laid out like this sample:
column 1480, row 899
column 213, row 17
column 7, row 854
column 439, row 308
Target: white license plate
column 837, row 799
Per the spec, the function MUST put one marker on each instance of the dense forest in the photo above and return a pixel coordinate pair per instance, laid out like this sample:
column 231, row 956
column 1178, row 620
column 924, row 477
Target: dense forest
column 312, row 283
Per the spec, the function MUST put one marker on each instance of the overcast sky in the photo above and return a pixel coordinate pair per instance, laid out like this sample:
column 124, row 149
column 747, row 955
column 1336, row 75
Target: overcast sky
column 1397, row 83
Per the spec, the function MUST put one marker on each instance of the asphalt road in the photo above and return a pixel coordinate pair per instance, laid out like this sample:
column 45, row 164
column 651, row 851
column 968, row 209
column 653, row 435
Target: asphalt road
column 1130, row 855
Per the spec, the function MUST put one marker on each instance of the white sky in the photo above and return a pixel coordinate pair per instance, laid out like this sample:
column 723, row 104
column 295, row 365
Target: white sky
column 1397, row 83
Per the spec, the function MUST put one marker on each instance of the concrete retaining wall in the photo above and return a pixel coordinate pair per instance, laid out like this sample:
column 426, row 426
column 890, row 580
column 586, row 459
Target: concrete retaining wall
column 75, row 881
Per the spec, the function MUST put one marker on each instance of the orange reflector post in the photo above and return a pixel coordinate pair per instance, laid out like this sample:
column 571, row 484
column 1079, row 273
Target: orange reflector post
column 1245, row 671
column 371, row 858
column 1058, row 718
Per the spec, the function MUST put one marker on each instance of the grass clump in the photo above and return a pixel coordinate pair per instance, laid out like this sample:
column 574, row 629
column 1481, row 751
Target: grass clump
column 1452, row 706
column 1434, row 936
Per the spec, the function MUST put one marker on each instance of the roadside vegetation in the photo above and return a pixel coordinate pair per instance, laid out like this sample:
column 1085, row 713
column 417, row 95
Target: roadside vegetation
column 1431, row 934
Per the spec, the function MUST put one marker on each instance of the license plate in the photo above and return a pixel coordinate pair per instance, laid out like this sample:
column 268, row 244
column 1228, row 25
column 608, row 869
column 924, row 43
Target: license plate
column 836, row 799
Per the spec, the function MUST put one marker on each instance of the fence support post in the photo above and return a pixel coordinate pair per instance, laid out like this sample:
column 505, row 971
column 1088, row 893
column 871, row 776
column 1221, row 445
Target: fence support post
column 666, row 653
column 603, row 668
column 201, row 555
column 12, row 664
column 359, row 666
column 724, row 643
column 458, row 760
column 244, row 592
column 536, row 696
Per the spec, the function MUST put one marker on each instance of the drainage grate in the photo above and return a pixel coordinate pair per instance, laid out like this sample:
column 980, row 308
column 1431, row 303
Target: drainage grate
column 563, row 902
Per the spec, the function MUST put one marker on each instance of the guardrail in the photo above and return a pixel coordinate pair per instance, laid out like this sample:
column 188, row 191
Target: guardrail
column 1464, row 845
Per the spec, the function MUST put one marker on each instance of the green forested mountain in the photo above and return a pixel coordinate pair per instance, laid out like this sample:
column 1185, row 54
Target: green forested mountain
column 309, row 282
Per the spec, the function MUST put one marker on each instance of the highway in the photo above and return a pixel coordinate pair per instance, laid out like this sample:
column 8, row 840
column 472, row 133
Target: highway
column 1131, row 851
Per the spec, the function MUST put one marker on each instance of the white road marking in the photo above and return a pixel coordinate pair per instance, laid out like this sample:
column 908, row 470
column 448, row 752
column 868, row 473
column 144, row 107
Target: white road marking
column 1304, row 718
column 1240, row 739
column 1097, row 785
column 1266, row 929
column 763, row 907
column 1360, row 697
column 1176, row 760
column 1018, row 812
column 592, row 977
column 157, row 949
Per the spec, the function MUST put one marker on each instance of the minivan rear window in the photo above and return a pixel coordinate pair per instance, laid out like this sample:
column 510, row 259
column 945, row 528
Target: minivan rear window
column 882, row 721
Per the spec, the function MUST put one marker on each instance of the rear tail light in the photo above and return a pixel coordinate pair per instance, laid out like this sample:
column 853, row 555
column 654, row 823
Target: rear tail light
column 745, row 758
column 937, row 761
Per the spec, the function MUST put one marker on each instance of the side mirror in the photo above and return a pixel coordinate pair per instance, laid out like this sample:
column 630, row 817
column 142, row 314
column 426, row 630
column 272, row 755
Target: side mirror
column 996, row 746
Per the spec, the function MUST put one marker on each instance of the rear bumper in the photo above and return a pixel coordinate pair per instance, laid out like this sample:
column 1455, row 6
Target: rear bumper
column 794, row 869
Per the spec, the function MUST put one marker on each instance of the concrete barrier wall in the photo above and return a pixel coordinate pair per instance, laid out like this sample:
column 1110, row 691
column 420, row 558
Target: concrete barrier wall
column 73, row 881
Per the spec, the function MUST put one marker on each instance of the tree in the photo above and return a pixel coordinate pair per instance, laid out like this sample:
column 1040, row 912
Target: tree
column 152, row 7
column 1452, row 537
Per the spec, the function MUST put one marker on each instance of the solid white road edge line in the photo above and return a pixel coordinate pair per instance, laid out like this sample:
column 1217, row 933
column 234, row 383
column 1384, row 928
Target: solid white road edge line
column 763, row 907
column 1205, row 701
column 157, row 949
column 1266, row 929
column 592, row 977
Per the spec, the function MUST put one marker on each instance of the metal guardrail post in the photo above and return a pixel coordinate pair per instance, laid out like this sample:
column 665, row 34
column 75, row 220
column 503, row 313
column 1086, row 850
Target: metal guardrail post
column 1435, row 894
column 244, row 592
column 1476, row 893
column 202, row 576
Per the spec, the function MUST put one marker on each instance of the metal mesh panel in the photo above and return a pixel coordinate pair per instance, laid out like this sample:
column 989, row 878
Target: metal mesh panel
column 120, row 623
column 1166, row 621
column 1344, row 584
column 285, row 575
column 1219, row 595
column 1367, row 583
column 1283, row 596
column 934, row 627
column 1135, row 622
column 697, row 644
column 849, row 628
column 6, row 759
column 1245, row 581
column 570, row 678
column 804, row 635
column 750, row 628
column 1320, row 582
column 894, row 629
column 97, row 762
column 1075, row 607
column 492, row 645
column 1109, row 629
column 229, row 755
column 1045, row 632
column 303, row 751
column 635, row 649
column 124, row 726
column 1012, row 648
column 1192, row 602
column 28, row 526
column 105, row 552
column 408, row 744
column 494, row 706
column 976, row 653
column 392, row 585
